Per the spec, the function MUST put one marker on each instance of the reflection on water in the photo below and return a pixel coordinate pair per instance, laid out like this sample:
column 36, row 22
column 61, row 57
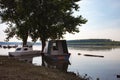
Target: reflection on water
column 104, row 68
column 60, row 65
column 41, row 61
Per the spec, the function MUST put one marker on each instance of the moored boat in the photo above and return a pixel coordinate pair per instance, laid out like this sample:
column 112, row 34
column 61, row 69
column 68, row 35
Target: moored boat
column 56, row 50
column 21, row 51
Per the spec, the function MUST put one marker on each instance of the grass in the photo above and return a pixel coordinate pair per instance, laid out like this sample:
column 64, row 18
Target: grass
column 12, row 69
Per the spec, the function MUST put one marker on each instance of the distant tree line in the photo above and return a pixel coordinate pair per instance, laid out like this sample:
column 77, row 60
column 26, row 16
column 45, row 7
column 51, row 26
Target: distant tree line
column 93, row 42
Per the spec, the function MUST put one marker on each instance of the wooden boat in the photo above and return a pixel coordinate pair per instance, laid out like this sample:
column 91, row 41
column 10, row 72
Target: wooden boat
column 56, row 50
column 91, row 55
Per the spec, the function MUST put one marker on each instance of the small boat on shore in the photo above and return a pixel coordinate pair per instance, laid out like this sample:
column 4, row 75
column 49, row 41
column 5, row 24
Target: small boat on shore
column 9, row 46
column 21, row 51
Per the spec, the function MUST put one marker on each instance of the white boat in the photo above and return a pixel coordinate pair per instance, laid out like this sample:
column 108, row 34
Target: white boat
column 21, row 51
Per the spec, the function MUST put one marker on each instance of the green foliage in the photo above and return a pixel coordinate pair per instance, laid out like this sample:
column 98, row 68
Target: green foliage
column 54, row 18
column 16, row 16
column 44, row 19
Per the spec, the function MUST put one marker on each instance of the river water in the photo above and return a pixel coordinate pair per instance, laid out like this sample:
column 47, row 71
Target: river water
column 104, row 68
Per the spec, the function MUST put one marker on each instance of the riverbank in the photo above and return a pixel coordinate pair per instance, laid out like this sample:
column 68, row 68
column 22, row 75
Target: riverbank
column 12, row 69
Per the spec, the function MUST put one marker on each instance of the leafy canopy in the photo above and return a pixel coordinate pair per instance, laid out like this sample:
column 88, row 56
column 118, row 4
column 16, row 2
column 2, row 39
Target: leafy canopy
column 40, row 19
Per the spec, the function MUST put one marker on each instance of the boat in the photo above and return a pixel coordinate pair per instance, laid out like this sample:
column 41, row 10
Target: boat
column 23, row 51
column 91, row 55
column 56, row 50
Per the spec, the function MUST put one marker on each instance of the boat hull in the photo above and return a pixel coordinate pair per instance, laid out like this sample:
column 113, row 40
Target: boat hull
column 64, row 57
column 15, row 54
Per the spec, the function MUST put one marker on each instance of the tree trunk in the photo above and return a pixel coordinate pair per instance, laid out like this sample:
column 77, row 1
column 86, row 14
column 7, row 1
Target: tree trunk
column 25, row 40
column 43, row 44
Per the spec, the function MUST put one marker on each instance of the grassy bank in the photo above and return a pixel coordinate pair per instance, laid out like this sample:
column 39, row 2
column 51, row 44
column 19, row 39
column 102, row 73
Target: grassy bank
column 12, row 69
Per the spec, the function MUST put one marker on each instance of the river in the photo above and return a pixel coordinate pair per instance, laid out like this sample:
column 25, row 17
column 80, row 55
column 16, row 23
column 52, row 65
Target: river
column 104, row 68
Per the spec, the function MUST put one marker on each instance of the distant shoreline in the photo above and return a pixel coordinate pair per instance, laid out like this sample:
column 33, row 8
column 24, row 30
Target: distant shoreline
column 82, row 42
column 94, row 42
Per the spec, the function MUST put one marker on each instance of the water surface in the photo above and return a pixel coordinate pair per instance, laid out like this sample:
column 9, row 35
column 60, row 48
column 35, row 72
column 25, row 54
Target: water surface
column 105, row 68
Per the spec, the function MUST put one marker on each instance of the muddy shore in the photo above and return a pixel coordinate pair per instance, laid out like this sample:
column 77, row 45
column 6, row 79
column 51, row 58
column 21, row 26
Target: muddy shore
column 12, row 69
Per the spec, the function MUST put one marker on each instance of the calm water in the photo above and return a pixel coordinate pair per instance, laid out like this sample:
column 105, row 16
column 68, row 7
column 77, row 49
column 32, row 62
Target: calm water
column 105, row 68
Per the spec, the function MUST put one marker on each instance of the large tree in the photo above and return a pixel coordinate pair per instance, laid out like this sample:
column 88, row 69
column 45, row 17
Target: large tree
column 41, row 19
column 53, row 18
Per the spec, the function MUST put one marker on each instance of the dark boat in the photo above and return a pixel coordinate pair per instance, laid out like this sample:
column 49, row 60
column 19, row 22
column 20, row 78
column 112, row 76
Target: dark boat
column 57, row 50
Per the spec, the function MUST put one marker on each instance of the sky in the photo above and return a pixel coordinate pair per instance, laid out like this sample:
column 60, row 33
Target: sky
column 103, row 21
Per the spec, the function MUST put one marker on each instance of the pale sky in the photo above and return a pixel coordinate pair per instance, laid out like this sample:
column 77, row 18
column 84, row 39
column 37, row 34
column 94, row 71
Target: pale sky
column 103, row 21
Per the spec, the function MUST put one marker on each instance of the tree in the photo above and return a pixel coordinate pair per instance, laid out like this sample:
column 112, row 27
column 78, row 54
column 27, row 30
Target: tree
column 41, row 19
column 54, row 18
column 16, row 14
